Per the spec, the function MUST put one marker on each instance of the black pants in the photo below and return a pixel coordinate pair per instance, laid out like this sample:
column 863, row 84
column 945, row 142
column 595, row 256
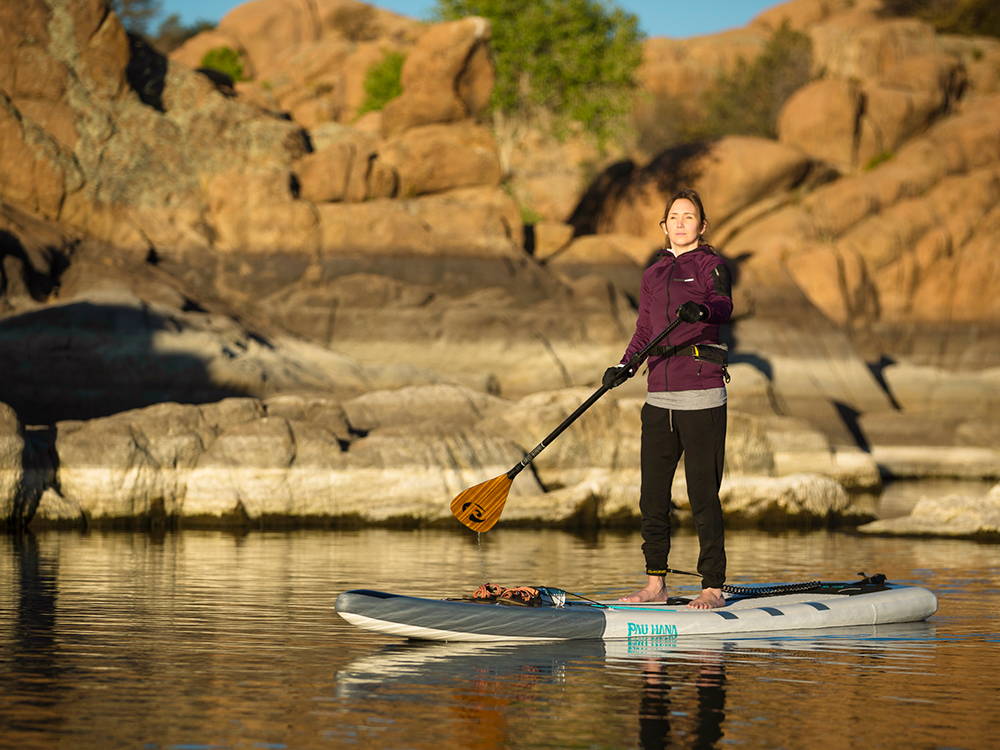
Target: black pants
column 699, row 435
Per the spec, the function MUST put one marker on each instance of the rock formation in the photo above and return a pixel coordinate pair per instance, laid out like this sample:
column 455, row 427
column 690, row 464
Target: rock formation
column 234, row 303
column 398, row 455
column 949, row 516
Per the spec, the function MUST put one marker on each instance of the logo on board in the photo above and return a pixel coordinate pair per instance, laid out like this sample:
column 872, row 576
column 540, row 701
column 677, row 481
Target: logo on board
column 650, row 628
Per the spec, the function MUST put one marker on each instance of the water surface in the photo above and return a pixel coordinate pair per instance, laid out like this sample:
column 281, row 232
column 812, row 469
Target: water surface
column 214, row 640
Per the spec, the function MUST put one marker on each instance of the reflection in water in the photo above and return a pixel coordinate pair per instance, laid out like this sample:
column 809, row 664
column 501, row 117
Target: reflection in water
column 205, row 639
column 36, row 606
column 35, row 666
column 682, row 700
column 698, row 725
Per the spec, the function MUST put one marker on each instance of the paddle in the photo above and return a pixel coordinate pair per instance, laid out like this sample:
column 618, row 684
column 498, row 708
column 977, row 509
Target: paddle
column 479, row 507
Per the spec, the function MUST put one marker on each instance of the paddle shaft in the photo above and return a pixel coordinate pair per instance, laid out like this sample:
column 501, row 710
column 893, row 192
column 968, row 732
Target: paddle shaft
column 634, row 363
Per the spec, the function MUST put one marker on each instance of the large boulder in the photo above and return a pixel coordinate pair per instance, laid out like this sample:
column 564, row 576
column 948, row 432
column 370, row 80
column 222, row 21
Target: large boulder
column 940, row 392
column 794, row 500
column 950, row 516
column 145, row 464
column 606, row 439
column 346, row 169
column 547, row 173
column 136, row 464
column 821, row 119
column 435, row 158
column 853, row 124
column 257, row 213
column 944, row 424
column 447, row 77
column 474, row 223
column 320, row 82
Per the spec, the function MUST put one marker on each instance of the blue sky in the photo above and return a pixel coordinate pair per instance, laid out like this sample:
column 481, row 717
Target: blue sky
column 675, row 18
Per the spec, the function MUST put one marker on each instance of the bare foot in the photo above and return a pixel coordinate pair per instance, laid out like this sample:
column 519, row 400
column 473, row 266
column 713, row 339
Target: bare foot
column 647, row 594
column 708, row 599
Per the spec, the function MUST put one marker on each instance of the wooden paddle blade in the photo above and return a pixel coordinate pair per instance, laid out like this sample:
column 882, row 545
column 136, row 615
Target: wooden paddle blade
column 479, row 507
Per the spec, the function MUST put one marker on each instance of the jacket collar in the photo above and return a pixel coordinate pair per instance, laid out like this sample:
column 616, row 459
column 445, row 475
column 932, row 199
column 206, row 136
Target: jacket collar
column 668, row 253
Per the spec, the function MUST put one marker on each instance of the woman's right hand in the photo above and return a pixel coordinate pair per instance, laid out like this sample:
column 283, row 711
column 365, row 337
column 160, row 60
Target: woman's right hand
column 615, row 375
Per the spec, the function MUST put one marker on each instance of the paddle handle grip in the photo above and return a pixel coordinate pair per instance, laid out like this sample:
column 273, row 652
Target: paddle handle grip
column 637, row 359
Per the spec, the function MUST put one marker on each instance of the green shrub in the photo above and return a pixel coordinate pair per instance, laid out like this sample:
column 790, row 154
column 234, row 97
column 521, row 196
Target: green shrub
column 745, row 101
column 529, row 215
column 749, row 99
column 225, row 60
column 973, row 17
column 559, row 62
column 383, row 82
column 878, row 159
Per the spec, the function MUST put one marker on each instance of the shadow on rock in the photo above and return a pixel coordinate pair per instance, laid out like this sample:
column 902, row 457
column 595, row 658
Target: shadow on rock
column 671, row 170
column 146, row 72
column 28, row 273
column 84, row 360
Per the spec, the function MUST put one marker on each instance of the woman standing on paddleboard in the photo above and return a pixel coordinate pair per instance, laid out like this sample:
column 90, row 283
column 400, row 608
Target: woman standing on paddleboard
column 685, row 409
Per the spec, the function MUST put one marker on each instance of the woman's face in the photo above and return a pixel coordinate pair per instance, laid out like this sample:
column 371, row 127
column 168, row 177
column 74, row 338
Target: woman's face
column 683, row 225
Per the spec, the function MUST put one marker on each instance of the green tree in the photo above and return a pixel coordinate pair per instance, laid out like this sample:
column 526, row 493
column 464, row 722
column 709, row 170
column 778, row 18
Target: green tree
column 135, row 15
column 559, row 61
column 383, row 82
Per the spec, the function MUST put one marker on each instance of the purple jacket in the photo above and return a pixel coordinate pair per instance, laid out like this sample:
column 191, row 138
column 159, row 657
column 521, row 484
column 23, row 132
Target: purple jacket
column 699, row 275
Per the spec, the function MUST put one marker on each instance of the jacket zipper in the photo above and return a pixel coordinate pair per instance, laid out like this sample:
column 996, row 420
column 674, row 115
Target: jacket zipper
column 666, row 364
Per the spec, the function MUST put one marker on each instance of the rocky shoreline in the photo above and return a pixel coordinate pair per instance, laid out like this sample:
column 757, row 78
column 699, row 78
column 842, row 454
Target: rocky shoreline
column 397, row 457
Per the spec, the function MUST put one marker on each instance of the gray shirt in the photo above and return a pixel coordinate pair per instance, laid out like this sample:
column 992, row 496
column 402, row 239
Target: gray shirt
column 687, row 400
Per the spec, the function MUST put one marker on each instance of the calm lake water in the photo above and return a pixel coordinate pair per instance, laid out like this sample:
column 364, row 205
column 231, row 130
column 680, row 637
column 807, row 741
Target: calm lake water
column 214, row 640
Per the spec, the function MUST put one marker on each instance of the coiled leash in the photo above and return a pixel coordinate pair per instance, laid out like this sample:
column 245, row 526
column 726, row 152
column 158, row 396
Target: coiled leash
column 751, row 591
column 867, row 583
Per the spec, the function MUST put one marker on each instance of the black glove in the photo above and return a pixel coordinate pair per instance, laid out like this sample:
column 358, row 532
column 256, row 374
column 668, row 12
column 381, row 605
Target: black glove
column 692, row 312
column 615, row 375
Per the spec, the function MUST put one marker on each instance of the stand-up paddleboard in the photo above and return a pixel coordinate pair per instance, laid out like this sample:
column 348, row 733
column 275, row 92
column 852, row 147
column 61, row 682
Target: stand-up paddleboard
column 752, row 609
